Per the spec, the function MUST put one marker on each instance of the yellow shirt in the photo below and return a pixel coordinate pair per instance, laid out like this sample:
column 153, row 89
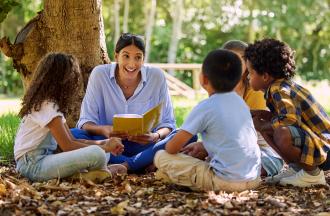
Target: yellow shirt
column 255, row 99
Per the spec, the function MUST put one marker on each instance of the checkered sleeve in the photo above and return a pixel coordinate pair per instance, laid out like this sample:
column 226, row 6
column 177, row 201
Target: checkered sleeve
column 287, row 112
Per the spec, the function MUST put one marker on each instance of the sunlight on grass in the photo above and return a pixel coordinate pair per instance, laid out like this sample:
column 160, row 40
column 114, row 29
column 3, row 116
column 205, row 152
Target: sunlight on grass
column 9, row 104
column 183, row 106
column 8, row 127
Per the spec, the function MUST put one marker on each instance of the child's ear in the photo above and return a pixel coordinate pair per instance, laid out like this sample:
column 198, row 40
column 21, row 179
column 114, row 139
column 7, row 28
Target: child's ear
column 116, row 57
column 203, row 79
column 267, row 78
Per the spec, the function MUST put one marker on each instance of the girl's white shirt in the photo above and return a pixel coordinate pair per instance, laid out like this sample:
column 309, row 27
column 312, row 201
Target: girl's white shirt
column 33, row 128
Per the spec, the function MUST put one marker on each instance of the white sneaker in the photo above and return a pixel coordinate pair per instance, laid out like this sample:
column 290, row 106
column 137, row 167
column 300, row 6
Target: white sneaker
column 283, row 174
column 303, row 179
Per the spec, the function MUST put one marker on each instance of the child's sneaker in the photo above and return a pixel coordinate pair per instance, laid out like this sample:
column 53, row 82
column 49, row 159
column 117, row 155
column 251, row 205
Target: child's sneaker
column 283, row 174
column 303, row 179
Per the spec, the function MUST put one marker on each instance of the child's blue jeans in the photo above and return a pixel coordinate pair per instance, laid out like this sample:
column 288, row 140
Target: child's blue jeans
column 137, row 156
column 42, row 164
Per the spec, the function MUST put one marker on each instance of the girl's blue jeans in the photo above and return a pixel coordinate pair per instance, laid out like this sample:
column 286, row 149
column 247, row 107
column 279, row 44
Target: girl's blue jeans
column 136, row 155
column 42, row 164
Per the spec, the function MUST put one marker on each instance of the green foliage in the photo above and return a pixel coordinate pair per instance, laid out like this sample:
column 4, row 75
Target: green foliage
column 207, row 24
column 8, row 127
column 10, row 81
column 5, row 7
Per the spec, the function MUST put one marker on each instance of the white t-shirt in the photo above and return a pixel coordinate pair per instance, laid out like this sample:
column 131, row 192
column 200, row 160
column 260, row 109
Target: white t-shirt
column 228, row 134
column 33, row 128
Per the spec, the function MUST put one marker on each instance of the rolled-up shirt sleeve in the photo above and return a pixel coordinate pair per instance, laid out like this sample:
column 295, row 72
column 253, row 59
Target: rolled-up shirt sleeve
column 167, row 117
column 287, row 112
column 89, row 108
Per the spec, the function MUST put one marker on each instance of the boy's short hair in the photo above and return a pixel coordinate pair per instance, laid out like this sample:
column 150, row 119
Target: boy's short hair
column 223, row 68
column 271, row 56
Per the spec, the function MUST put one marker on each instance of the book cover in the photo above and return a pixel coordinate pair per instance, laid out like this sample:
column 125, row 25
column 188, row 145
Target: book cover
column 135, row 124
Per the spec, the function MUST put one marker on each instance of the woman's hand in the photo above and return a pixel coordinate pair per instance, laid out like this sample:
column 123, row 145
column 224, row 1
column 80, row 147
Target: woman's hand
column 196, row 150
column 144, row 138
column 113, row 145
column 107, row 131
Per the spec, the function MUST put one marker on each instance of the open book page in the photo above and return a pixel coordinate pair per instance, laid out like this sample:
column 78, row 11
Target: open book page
column 135, row 124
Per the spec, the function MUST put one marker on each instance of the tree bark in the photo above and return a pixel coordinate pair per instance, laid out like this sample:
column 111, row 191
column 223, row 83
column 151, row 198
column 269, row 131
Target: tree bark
column 74, row 27
column 125, row 19
column 149, row 27
column 116, row 8
column 176, row 32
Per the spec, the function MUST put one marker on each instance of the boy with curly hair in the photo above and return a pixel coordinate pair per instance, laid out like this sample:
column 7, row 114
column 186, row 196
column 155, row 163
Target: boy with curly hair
column 297, row 127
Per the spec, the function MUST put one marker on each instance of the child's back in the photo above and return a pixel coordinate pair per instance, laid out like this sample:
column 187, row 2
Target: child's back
column 228, row 136
column 227, row 131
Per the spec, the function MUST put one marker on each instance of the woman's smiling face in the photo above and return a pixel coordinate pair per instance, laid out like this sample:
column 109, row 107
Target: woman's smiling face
column 130, row 60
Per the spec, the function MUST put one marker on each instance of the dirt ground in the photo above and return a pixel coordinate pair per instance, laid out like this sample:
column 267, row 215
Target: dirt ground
column 143, row 195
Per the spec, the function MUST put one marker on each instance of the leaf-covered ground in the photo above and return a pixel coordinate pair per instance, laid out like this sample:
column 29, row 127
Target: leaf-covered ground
column 143, row 195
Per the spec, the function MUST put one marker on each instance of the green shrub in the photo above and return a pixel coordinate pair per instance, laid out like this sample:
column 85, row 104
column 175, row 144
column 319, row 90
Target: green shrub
column 8, row 127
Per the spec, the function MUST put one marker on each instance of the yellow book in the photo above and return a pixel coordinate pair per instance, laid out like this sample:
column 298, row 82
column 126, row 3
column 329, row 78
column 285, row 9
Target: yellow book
column 135, row 124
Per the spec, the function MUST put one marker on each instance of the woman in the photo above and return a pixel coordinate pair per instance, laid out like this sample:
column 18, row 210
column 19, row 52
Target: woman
column 126, row 86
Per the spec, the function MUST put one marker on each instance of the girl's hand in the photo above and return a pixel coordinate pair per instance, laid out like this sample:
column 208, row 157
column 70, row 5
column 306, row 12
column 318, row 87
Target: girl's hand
column 144, row 138
column 113, row 145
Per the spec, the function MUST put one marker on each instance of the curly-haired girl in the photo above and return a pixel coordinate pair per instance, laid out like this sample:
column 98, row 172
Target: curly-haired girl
column 43, row 126
column 297, row 127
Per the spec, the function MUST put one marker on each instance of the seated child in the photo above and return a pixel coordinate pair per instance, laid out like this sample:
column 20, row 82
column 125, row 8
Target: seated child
column 271, row 162
column 227, row 130
column 43, row 127
column 297, row 127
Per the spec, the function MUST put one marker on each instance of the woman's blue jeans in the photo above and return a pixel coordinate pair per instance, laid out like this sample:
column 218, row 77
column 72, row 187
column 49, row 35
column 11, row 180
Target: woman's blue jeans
column 136, row 155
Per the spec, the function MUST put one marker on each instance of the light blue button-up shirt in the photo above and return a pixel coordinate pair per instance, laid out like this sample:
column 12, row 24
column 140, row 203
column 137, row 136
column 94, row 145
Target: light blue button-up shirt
column 104, row 98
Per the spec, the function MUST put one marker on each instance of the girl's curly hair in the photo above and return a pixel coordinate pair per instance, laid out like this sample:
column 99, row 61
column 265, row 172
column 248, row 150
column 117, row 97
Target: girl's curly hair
column 273, row 57
column 57, row 79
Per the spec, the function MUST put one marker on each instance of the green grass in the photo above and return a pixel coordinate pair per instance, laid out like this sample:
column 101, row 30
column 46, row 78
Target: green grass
column 8, row 127
column 183, row 106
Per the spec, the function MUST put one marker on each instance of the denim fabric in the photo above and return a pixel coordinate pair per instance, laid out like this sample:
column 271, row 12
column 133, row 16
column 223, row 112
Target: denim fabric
column 42, row 164
column 137, row 156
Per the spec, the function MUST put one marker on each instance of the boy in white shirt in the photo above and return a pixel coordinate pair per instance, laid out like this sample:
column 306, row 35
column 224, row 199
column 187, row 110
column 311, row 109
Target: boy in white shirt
column 227, row 130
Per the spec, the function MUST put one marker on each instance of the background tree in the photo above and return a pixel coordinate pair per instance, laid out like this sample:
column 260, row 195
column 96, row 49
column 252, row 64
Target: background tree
column 206, row 25
column 74, row 27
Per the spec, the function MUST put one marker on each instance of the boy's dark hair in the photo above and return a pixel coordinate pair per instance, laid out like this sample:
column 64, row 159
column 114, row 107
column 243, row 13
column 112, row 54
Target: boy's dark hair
column 223, row 68
column 127, row 39
column 57, row 79
column 273, row 57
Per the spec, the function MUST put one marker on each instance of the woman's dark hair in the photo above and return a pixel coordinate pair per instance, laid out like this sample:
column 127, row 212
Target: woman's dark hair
column 57, row 79
column 239, row 46
column 273, row 57
column 127, row 39
column 223, row 69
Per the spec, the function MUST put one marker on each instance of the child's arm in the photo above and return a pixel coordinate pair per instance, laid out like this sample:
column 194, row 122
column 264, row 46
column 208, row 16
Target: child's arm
column 175, row 144
column 65, row 140
column 196, row 150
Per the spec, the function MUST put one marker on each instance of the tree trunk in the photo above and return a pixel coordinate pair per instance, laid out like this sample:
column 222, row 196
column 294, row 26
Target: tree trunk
column 176, row 32
column 125, row 19
column 149, row 27
column 74, row 27
column 116, row 8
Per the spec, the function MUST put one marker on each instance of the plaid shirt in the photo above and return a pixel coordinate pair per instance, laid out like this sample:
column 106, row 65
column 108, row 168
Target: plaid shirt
column 294, row 105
